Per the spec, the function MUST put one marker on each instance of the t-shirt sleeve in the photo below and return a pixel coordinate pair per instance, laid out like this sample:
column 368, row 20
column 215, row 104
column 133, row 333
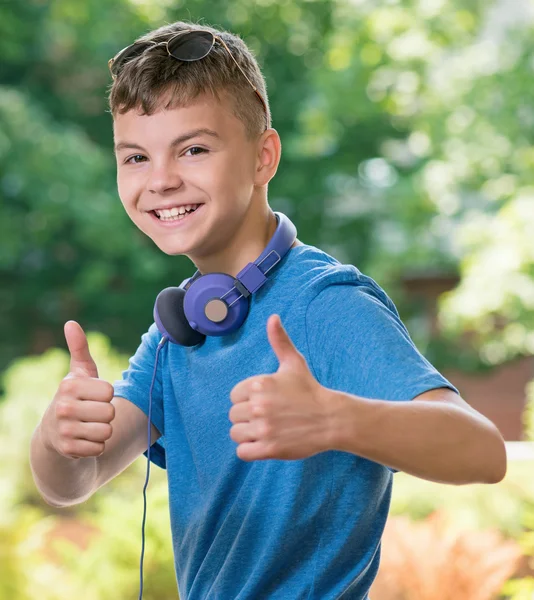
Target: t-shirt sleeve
column 359, row 345
column 135, row 386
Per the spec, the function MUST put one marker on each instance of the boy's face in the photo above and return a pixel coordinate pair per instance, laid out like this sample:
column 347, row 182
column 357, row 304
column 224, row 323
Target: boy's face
column 221, row 172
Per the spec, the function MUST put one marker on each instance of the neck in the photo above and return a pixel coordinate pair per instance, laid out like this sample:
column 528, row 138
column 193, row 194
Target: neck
column 245, row 245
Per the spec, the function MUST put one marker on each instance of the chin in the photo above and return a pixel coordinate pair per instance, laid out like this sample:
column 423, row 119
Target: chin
column 169, row 248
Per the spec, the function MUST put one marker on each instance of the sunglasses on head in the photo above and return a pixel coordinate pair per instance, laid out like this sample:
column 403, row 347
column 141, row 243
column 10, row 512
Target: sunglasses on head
column 188, row 45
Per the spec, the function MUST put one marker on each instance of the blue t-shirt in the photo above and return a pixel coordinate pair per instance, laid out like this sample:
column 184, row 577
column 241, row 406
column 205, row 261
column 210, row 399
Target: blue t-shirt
column 276, row 529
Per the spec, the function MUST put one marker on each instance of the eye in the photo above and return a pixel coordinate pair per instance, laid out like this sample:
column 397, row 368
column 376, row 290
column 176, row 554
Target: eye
column 196, row 148
column 127, row 161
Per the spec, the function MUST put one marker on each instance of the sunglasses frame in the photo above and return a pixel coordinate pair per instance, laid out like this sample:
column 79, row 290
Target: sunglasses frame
column 181, row 33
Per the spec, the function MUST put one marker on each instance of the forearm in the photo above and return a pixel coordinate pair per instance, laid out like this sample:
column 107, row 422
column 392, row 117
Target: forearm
column 432, row 440
column 61, row 481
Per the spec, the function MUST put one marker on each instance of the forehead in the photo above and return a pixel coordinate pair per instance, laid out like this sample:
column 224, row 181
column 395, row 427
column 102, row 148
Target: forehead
column 205, row 111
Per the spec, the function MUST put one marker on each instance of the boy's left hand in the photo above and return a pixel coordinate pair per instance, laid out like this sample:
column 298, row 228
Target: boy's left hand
column 283, row 415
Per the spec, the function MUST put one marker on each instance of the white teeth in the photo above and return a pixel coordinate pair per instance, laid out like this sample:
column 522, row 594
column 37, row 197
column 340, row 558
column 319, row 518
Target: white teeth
column 175, row 211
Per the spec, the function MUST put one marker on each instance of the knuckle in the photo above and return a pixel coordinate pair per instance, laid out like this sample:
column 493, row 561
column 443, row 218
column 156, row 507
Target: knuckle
column 258, row 408
column 67, row 447
column 63, row 409
column 69, row 386
column 257, row 384
column 266, row 402
column 261, row 406
column 65, row 429
column 265, row 429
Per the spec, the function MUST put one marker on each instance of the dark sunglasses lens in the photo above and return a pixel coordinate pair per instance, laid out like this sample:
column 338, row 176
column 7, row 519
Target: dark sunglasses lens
column 126, row 55
column 191, row 46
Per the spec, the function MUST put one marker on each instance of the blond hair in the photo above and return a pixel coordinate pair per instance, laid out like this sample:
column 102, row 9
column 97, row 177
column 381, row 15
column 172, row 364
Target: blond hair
column 146, row 79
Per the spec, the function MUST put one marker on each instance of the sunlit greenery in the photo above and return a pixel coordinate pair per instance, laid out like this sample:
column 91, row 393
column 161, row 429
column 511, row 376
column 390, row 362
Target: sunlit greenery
column 53, row 554
column 408, row 148
column 39, row 559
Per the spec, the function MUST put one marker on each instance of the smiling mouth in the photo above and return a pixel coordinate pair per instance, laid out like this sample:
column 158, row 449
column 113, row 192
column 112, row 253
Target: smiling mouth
column 177, row 216
column 174, row 221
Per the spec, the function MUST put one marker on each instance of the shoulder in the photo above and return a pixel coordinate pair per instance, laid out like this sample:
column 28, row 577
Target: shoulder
column 354, row 294
column 325, row 288
column 151, row 338
column 147, row 347
column 318, row 275
column 330, row 283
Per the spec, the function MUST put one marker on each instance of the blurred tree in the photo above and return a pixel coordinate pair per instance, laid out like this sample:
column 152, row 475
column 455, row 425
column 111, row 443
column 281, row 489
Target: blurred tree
column 407, row 146
column 451, row 187
column 56, row 144
column 40, row 545
column 57, row 207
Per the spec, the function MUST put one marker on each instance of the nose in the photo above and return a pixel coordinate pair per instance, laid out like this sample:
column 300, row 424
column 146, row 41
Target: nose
column 163, row 178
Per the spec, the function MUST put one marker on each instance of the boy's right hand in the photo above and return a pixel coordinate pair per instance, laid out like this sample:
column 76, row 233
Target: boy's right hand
column 78, row 421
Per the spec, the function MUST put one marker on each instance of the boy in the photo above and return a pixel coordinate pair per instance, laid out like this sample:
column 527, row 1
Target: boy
column 279, row 441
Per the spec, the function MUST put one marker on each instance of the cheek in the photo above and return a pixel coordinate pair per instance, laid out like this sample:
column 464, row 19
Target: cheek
column 121, row 186
column 231, row 177
column 125, row 189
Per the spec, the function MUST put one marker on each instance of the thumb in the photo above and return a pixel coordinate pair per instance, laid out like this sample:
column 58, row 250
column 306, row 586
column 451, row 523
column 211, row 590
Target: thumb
column 81, row 361
column 281, row 342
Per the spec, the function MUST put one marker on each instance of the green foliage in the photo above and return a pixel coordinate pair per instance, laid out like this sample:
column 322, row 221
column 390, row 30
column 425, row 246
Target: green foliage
column 519, row 589
column 37, row 562
column 523, row 589
column 29, row 528
column 11, row 567
column 476, row 506
column 506, row 506
column 115, row 554
column 30, row 385
column 406, row 147
column 57, row 189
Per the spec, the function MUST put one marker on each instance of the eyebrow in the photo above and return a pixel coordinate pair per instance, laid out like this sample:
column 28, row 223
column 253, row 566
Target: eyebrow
column 176, row 142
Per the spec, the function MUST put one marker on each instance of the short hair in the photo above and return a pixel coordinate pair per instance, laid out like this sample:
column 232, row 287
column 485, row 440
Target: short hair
column 145, row 80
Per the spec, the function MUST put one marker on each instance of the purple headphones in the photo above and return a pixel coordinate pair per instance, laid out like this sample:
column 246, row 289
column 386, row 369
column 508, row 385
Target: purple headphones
column 217, row 303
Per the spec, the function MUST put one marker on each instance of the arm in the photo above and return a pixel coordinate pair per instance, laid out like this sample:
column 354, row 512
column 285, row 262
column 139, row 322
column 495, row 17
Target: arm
column 437, row 436
column 64, row 481
column 294, row 413
column 419, row 423
column 61, row 481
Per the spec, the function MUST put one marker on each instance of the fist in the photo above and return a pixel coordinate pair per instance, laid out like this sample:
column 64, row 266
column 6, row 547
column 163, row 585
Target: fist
column 77, row 422
column 285, row 415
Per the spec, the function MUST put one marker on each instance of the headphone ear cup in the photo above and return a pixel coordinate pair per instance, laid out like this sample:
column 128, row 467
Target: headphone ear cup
column 171, row 320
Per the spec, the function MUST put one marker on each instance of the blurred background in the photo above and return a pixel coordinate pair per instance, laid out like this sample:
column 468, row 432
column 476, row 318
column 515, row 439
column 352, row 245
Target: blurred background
column 408, row 151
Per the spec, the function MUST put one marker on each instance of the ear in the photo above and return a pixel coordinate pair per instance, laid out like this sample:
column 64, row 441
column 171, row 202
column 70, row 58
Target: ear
column 269, row 151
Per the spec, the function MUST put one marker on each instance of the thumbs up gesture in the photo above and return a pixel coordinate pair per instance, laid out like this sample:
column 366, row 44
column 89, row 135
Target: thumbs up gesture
column 284, row 415
column 77, row 422
column 81, row 361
